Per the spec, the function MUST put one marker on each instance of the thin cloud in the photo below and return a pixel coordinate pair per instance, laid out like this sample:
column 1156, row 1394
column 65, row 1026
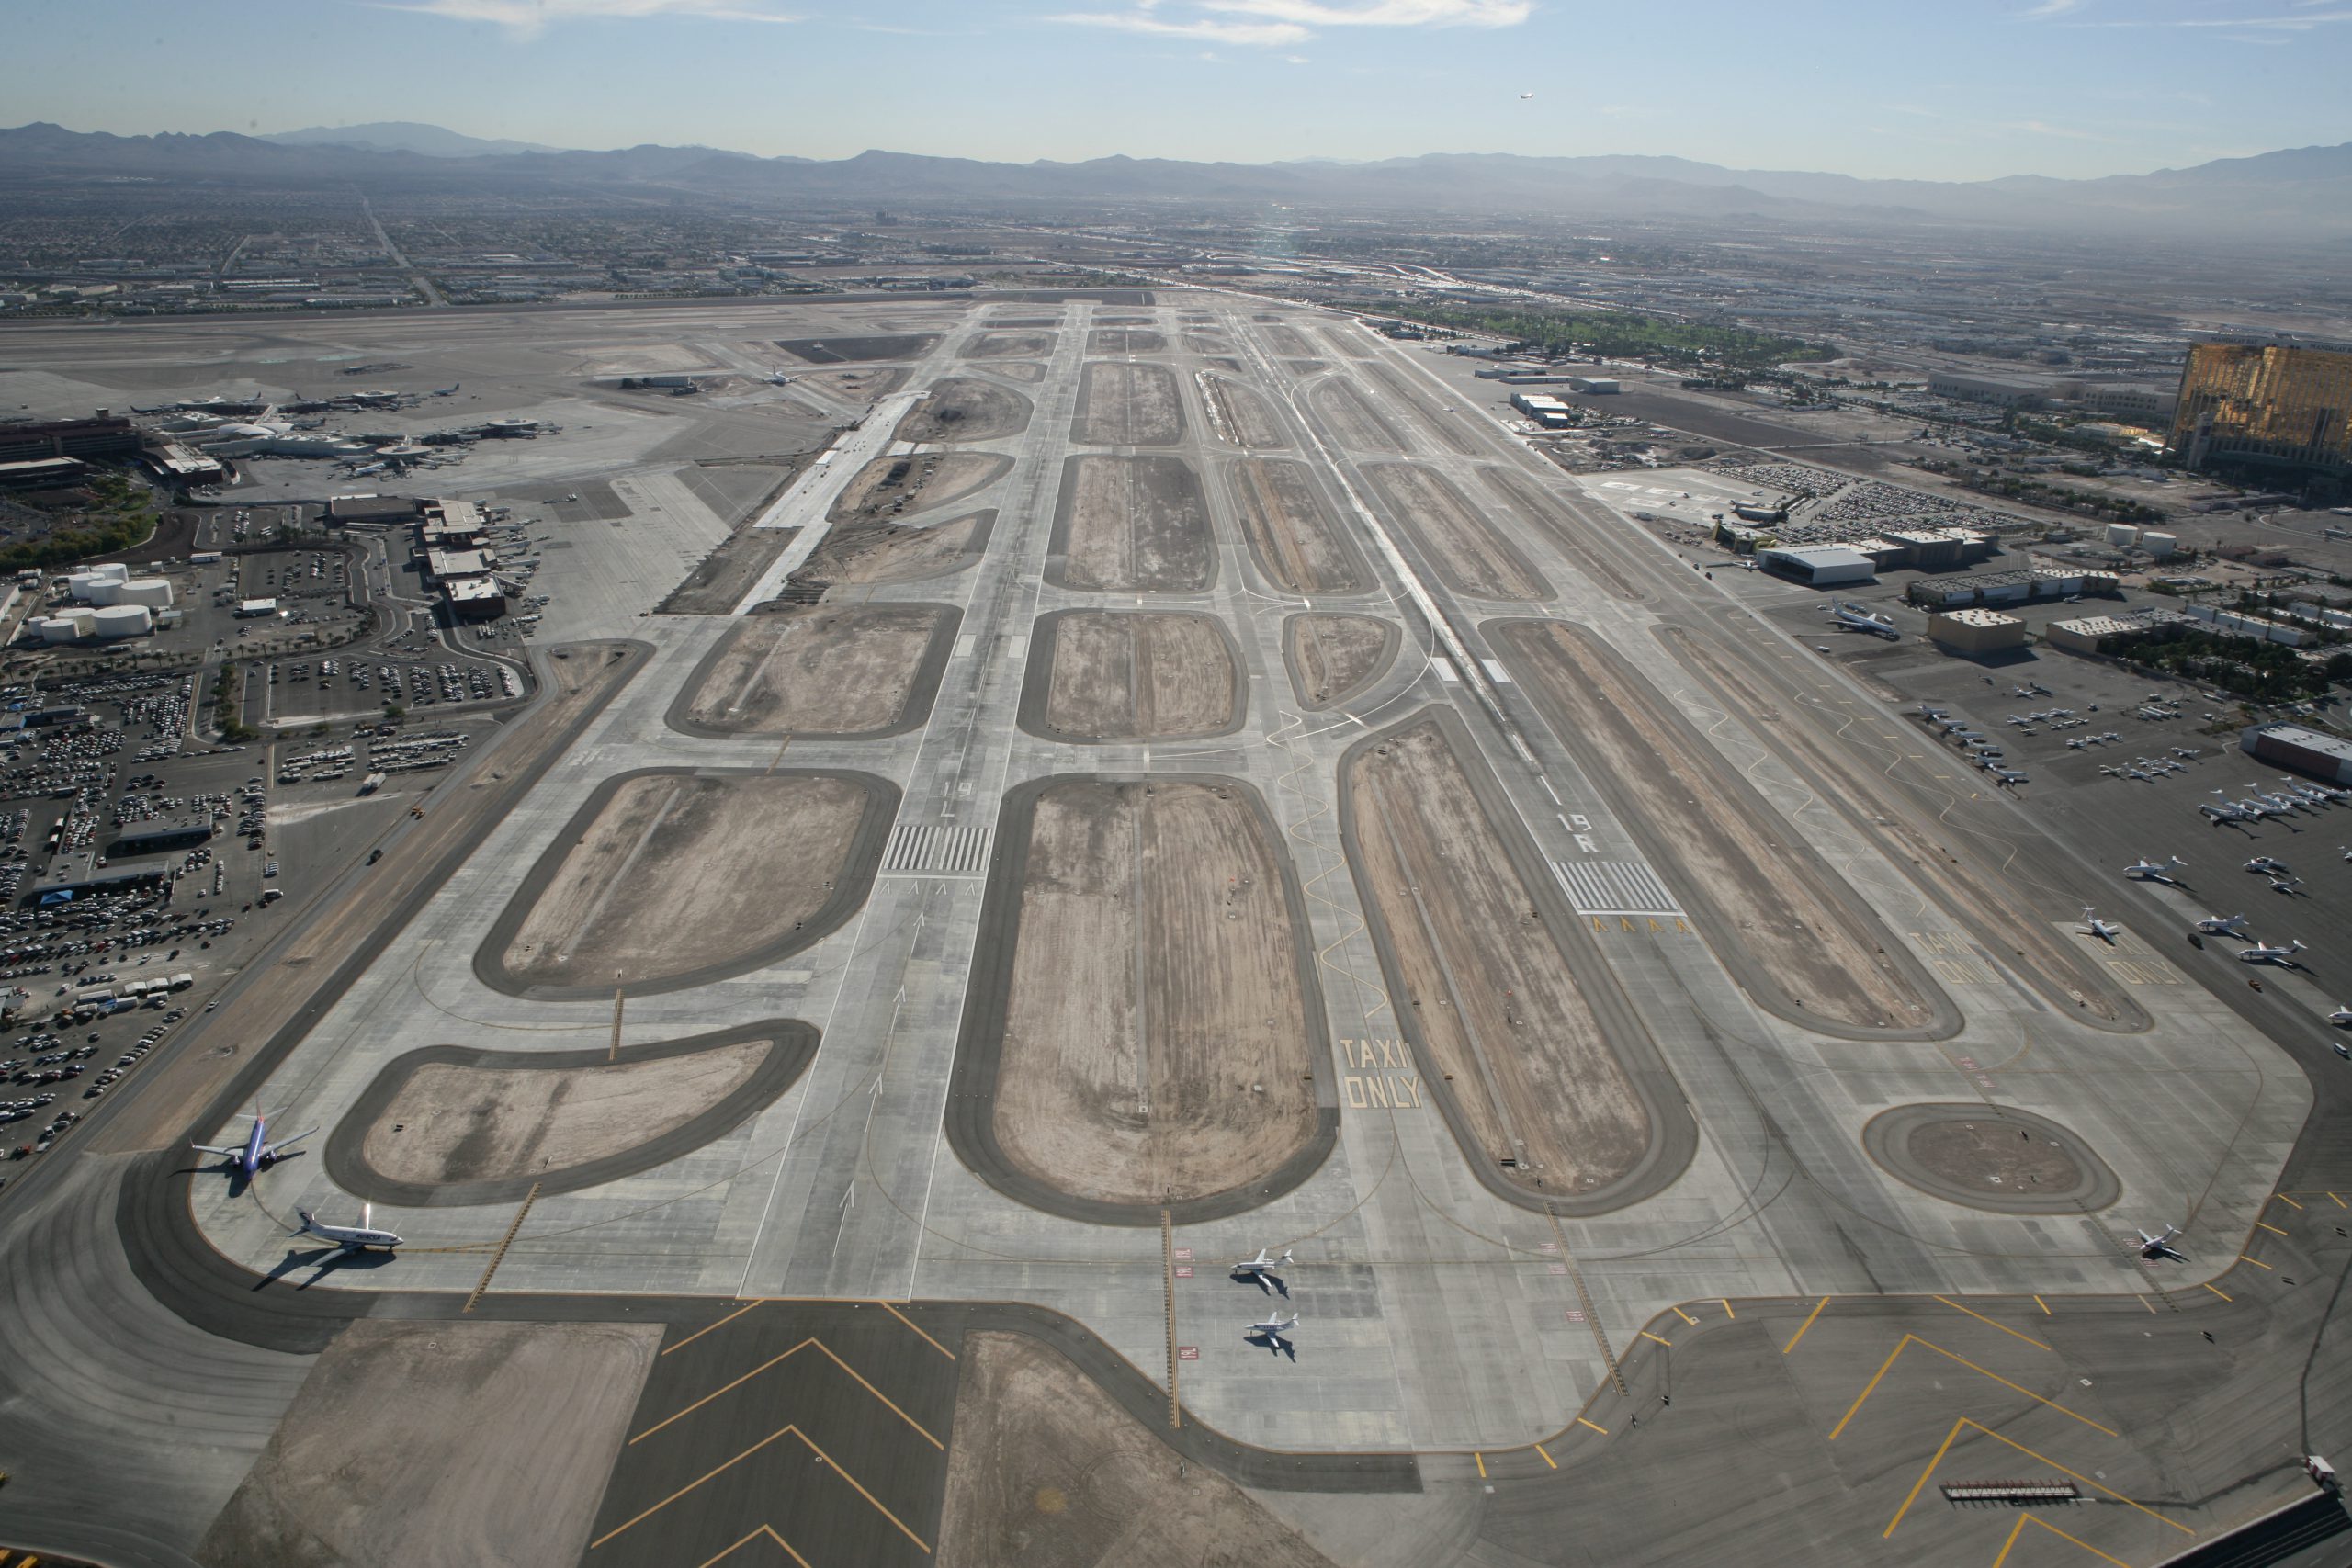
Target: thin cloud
column 2048, row 8
column 530, row 17
column 1270, row 34
column 1275, row 23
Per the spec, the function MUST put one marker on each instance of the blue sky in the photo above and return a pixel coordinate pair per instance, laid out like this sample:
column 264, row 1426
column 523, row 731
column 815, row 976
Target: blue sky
column 1958, row 90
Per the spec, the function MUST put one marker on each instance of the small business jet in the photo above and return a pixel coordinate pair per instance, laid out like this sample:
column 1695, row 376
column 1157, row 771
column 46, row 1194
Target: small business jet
column 351, row 1238
column 2215, row 925
column 2262, row 954
column 2106, row 931
column 1261, row 1264
column 1274, row 1330
column 2153, row 1247
column 257, row 1154
column 2153, row 870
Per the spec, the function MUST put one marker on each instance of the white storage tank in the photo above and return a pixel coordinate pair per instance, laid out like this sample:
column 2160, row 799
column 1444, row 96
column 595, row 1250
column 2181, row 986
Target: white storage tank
column 57, row 628
column 84, row 588
column 104, row 590
column 152, row 591
column 122, row 620
column 2123, row 536
column 111, row 571
column 2159, row 544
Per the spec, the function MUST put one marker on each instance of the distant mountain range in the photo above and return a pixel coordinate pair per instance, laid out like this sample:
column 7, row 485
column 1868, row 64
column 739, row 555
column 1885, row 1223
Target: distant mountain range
column 2298, row 196
column 402, row 136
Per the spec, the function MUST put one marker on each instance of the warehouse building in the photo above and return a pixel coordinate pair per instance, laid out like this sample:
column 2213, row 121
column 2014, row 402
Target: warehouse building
column 2088, row 634
column 1819, row 565
column 2309, row 752
column 1976, row 631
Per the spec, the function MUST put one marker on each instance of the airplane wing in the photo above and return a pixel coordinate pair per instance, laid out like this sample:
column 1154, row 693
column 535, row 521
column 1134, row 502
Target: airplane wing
column 214, row 1149
column 287, row 1142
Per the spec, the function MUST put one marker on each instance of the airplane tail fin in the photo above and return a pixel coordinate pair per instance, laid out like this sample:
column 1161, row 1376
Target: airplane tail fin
column 1285, row 1256
column 366, row 1216
column 310, row 1222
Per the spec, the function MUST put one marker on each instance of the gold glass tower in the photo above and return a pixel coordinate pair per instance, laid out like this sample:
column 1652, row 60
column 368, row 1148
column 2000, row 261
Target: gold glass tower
column 2291, row 407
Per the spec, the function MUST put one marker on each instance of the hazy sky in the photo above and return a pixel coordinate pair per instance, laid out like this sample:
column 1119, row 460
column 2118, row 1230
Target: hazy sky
column 1961, row 89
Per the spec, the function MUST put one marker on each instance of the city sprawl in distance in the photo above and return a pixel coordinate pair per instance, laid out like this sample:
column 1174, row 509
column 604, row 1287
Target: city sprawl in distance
column 1354, row 799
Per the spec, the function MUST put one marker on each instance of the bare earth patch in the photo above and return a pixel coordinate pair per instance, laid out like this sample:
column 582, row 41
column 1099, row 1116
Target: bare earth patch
column 678, row 874
column 817, row 670
column 1239, row 414
column 1297, row 543
column 961, row 408
column 1125, row 524
column 1126, row 675
column 1128, row 405
column 1333, row 657
column 1487, row 988
column 1155, row 1031
column 441, row 1445
column 485, row 1124
column 1047, row 1471
column 1464, row 548
column 1009, row 345
column 1794, row 928
column 1126, row 340
column 889, row 486
column 876, row 551
column 1358, row 426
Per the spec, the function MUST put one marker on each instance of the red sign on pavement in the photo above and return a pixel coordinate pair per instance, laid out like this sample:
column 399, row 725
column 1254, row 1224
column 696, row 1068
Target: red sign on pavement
column 1188, row 1352
column 1575, row 1316
column 1184, row 1271
column 1184, row 1252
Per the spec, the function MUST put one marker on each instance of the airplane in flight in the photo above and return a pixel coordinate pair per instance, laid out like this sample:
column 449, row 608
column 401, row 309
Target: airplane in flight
column 2154, row 871
column 1273, row 1331
column 1261, row 1264
column 2153, row 1247
column 2106, row 931
column 351, row 1238
column 2215, row 925
column 2261, row 954
column 2268, row 865
column 257, row 1154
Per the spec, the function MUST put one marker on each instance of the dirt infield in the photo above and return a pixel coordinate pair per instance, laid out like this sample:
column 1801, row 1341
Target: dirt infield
column 1538, row 513
column 671, row 878
column 1027, row 370
column 456, row 1126
column 1351, row 342
column 876, row 551
column 1126, row 340
column 851, row 671
column 890, row 486
column 1155, row 1029
column 959, row 408
column 1799, row 939
column 1479, row 979
column 1355, row 422
column 1431, row 416
column 1332, row 658
column 1463, row 547
column 1207, row 343
column 1293, row 536
column 442, row 1442
column 1130, row 675
column 858, row 350
column 1238, row 415
column 474, row 1124
column 1127, row 405
column 1009, row 345
column 1047, row 1471
column 1126, row 524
